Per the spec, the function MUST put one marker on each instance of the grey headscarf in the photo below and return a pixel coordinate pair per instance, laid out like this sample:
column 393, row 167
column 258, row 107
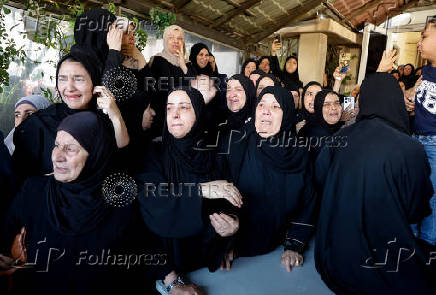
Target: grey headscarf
column 38, row 102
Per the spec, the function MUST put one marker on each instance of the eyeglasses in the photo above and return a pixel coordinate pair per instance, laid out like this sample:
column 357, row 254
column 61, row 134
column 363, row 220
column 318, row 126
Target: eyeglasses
column 69, row 149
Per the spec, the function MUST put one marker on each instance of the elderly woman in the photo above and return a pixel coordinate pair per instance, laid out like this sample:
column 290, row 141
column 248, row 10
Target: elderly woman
column 324, row 123
column 275, row 179
column 77, row 80
column 179, row 179
column 73, row 217
column 240, row 97
column 168, row 68
column 24, row 107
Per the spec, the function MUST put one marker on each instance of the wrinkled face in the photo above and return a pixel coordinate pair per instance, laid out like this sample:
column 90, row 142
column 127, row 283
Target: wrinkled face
column 269, row 116
column 22, row 112
column 309, row 97
column 331, row 109
column 203, row 58
column 68, row 157
column 235, row 95
column 264, row 65
column 206, row 86
column 291, row 65
column 407, row 70
column 175, row 41
column 75, row 85
column 427, row 45
column 265, row 82
column 249, row 68
column 254, row 78
column 180, row 114
column 147, row 118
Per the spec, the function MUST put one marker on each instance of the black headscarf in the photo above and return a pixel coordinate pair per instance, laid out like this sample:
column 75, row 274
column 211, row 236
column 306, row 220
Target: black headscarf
column 195, row 50
column 244, row 65
column 278, row 151
column 77, row 207
column 259, row 61
column 318, row 119
column 306, row 115
column 215, row 73
column 381, row 97
column 272, row 77
column 409, row 80
column 237, row 120
column 291, row 78
column 184, row 150
column 291, row 85
column 90, row 31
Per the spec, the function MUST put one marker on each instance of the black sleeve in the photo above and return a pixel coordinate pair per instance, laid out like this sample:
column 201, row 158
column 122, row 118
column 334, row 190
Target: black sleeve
column 114, row 59
column 302, row 226
column 26, row 159
column 275, row 66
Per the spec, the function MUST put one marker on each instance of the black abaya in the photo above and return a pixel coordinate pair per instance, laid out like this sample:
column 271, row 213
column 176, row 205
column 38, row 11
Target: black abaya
column 373, row 189
column 171, row 204
column 276, row 184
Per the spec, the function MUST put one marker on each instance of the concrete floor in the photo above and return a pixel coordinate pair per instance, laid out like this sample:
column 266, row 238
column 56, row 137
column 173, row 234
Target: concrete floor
column 263, row 275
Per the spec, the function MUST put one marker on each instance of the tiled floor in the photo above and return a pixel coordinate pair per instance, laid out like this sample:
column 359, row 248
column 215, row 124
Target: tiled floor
column 263, row 275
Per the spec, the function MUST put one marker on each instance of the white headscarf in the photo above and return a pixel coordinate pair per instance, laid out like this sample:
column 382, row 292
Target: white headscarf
column 38, row 102
column 171, row 58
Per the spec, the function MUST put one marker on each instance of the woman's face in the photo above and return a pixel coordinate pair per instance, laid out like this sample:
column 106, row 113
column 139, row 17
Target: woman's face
column 180, row 114
column 147, row 118
column 203, row 58
column 68, row 157
column 175, row 41
column 265, row 82
column 407, row 70
column 291, row 65
column 235, row 95
column 75, row 85
column 249, row 68
column 264, row 65
column 269, row 116
column 22, row 112
column 331, row 109
column 129, row 36
column 309, row 97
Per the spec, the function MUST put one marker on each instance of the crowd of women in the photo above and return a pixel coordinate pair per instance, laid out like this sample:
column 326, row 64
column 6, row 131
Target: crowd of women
column 144, row 172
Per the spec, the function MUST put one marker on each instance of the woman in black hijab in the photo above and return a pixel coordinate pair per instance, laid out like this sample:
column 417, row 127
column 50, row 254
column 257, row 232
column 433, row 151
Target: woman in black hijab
column 266, row 80
column 77, row 80
column 275, row 179
column 199, row 61
column 74, row 216
column 290, row 71
column 408, row 77
column 324, row 123
column 240, row 98
column 373, row 190
column 248, row 67
column 178, row 175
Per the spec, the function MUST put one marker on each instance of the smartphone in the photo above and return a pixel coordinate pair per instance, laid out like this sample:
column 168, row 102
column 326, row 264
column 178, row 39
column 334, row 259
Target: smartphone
column 344, row 69
column 277, row 37
column 349, row 101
